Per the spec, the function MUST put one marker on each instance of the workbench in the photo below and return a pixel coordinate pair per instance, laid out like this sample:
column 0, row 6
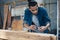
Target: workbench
column 22, row 35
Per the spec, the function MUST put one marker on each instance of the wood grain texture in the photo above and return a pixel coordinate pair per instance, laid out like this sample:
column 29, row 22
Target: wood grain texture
column 21, row 35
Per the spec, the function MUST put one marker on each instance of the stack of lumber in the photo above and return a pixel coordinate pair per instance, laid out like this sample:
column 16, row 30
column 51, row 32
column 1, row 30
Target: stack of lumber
column 21, row 35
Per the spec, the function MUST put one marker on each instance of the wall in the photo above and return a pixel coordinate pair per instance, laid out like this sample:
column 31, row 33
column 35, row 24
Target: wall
column 1, row 14
column 51, row 6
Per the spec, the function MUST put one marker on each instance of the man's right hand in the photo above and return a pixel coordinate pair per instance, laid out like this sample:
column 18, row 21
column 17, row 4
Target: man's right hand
column 32, row 27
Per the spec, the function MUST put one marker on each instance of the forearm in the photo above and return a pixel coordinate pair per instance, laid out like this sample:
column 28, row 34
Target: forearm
column 26, row 25
column 32, row 27
column 48, row 25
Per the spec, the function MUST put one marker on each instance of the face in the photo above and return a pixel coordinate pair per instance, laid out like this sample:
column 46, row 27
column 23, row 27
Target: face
column 34, row 9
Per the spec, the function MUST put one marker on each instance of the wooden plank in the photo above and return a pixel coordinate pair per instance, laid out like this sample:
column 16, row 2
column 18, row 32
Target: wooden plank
column 53, row 37
column 9, row 19
column 5, row 15
column 21, row 35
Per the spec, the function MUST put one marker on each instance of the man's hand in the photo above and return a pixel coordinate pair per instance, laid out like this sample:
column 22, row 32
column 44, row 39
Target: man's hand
column 42, row 28
column 32, row 27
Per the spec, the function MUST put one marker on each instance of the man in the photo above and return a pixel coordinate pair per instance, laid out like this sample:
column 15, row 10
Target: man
column 36, row 18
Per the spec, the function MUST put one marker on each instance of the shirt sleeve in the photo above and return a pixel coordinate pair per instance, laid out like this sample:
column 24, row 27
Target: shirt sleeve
column 46, row 18
column 26, row 17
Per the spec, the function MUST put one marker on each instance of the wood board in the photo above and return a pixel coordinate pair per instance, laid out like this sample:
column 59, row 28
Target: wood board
column 5, row 15
column 21, row 35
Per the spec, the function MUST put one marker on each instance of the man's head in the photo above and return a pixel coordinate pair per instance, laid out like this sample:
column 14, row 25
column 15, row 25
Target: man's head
column 33, row 6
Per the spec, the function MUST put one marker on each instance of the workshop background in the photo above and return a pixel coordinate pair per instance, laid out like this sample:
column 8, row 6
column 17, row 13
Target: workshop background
column 12, row 13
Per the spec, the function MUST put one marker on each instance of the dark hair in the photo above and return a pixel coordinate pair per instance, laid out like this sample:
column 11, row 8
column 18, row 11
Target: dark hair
column 29, row 0
column 32, row 3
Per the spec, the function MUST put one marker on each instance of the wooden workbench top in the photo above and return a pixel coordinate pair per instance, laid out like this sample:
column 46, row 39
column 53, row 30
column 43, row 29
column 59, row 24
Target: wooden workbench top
column 21, row 35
